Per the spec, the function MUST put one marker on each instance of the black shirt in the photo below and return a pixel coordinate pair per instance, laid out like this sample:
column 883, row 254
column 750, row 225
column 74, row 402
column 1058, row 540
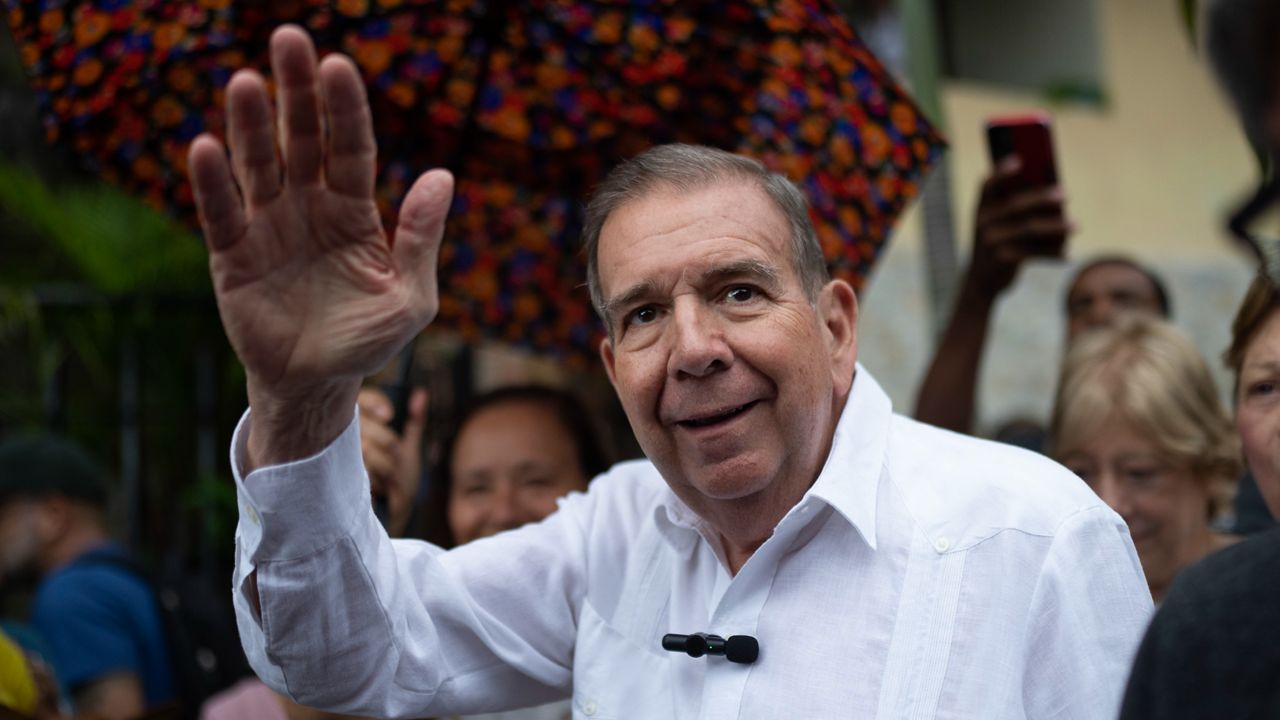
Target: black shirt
column 1213, row 649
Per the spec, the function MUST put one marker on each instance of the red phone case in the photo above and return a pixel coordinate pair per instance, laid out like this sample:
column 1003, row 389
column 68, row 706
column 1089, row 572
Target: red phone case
column 1028, row 137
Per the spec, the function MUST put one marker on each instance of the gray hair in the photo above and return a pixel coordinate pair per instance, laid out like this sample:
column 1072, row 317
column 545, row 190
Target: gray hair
column 691, row 167
column 1241, row 38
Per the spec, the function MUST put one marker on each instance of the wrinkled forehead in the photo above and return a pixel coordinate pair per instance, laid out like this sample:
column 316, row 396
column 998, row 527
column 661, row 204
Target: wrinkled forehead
column 735, row 209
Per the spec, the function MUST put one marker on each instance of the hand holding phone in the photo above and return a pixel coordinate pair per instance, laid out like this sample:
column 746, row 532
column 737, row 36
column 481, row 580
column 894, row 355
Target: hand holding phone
column 1020, row 212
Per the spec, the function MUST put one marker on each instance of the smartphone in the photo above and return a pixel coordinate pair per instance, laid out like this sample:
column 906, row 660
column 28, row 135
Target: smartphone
column 1029, row 137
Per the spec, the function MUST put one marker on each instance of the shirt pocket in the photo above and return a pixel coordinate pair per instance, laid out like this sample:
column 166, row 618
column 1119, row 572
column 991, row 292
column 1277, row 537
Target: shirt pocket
column 615, row 677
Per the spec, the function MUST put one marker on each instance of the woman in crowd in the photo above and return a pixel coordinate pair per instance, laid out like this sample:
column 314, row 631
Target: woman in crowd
column 1254, row 356
column 514, row 453
column 1213, row 649
column 1138, row 418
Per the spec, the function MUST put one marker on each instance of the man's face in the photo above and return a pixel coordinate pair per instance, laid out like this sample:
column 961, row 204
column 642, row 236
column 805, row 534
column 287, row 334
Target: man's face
column 729, row 375
column 1103, row 292
column 19, row 539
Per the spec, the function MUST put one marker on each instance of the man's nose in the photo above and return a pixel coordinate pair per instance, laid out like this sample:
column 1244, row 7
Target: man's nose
column 699, row 347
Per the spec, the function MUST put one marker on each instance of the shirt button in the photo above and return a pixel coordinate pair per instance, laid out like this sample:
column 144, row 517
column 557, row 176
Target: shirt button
column 252, row 514
column 589, row 709
column 942, row 545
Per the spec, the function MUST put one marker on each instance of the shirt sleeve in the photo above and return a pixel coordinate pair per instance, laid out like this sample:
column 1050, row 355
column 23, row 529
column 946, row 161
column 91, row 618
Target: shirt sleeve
column 1088, row 612
column 351, row 621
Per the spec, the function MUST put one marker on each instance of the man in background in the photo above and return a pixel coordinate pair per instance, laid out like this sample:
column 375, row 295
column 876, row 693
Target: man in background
column 100, row 620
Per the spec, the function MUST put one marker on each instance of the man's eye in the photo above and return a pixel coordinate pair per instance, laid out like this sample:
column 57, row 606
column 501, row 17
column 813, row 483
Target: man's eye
column 1262, row 388
column 642, row 316
column 1125, row 299
column 741, row 294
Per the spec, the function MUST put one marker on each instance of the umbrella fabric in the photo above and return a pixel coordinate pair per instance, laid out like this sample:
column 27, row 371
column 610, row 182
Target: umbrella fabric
column 529, row 103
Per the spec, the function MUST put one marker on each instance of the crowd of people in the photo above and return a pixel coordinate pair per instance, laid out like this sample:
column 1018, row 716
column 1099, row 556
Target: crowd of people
column 1121, row 562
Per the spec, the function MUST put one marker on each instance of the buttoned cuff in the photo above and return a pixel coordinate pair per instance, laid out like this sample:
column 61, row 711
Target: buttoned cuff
column 293, row 510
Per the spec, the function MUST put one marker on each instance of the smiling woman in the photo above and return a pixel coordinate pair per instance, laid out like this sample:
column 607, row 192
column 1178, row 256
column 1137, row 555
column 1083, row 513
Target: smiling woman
column 1137, row 417
column 1254, row 356
column 514, row 453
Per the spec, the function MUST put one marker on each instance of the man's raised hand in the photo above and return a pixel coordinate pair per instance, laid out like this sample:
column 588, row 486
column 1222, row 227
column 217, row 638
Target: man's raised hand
column 312, row 293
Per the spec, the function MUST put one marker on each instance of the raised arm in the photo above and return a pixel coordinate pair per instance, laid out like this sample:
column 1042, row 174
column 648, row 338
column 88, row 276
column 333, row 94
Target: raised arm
column 312, row 292
column 1012, row 224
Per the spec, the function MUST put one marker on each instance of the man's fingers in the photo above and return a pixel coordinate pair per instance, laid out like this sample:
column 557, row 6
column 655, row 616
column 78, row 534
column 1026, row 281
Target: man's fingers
column 252, row 137
column 1038, row 201
column 352, row 153
column 1002, row 180
column 217, row 199
column 1033, row 236
column 293, row 64
column 417, row 238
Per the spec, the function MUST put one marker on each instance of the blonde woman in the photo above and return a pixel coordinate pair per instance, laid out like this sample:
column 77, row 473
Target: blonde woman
column 1138, row 418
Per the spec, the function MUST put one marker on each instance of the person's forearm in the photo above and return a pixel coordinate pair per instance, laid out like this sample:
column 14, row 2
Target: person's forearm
column 948, row 394
column 292, row 428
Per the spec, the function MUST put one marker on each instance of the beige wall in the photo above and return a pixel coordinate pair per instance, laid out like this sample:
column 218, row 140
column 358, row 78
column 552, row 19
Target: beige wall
column 1152, row 174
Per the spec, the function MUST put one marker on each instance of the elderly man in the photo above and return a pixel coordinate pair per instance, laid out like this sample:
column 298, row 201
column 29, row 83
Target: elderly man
column 885, row 568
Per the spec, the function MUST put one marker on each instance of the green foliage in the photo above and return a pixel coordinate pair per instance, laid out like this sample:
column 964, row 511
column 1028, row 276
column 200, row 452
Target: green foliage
column 116, row 243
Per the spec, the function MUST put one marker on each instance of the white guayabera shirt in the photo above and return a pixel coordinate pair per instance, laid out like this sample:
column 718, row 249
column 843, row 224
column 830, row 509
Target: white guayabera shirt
column 924, row 575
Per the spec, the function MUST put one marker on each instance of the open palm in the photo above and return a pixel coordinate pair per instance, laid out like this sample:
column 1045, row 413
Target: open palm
column 311, row 291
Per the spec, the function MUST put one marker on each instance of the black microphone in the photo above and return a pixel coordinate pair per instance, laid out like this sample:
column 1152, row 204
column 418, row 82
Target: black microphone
column 742, row 649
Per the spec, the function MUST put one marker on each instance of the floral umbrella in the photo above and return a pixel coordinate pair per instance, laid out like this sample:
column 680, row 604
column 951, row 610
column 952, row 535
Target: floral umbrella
column 529, row 103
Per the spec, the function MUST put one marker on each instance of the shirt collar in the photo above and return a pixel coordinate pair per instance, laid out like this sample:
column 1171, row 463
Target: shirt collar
column 848, row 482
column 850, row 479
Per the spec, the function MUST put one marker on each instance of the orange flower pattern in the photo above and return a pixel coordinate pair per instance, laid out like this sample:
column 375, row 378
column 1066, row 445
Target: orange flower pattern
column 528, row 103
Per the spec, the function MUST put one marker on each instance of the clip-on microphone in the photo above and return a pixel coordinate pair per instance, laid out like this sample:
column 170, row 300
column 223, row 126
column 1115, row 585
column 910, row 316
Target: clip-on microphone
column 742, row 649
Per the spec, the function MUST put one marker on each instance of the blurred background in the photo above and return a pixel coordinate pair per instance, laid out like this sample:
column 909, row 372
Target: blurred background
column 109, row 334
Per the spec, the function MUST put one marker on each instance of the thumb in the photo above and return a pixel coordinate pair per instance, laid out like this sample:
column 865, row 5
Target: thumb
column 417, row 238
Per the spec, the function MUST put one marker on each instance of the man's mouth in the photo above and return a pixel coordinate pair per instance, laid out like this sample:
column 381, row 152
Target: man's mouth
column 718, row 417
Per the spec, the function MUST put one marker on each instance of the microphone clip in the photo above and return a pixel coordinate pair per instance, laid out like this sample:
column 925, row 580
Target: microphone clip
column 742, row 649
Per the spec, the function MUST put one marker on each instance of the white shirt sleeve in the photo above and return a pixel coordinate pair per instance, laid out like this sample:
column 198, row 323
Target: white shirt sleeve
column 352, row 621
column 1089, row 610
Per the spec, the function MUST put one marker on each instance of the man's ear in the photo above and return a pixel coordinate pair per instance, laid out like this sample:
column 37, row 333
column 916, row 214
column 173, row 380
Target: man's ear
column 606, row 356
column 838, row 309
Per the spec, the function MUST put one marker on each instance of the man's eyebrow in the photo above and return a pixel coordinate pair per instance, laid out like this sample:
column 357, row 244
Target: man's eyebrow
column 631, row 295
column 762, row 273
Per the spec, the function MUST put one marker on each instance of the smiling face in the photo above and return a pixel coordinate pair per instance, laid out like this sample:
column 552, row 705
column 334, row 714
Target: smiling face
column 731, row 377
column 1163, row 502
column 511, row 462
column 1258, row 409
